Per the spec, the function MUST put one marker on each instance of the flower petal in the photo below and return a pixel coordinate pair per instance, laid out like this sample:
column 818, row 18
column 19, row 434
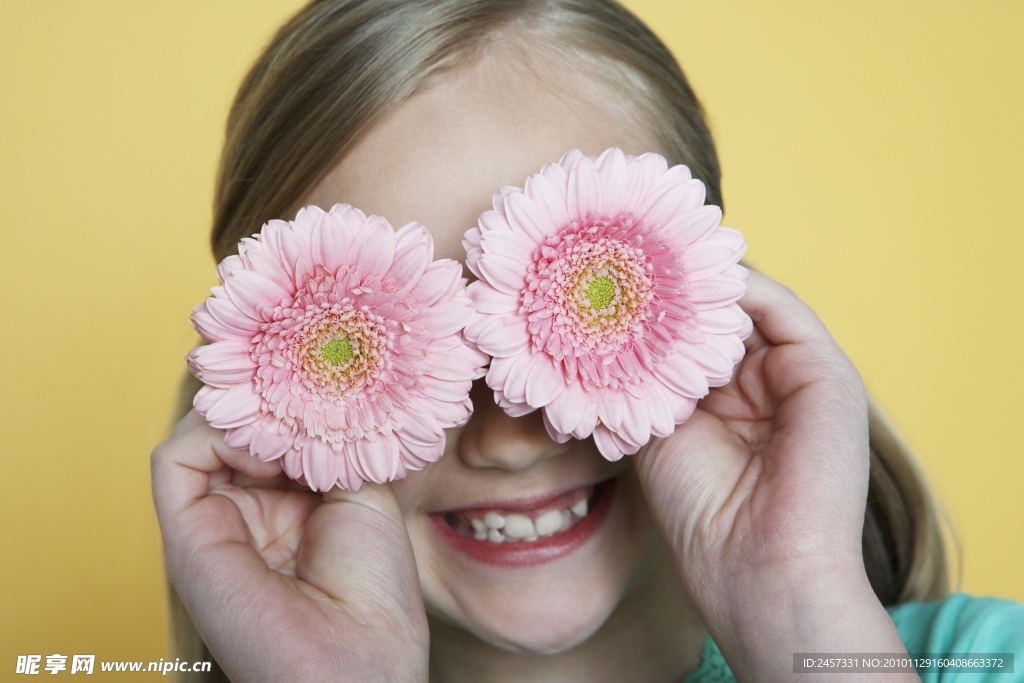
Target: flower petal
column 515, row 386
column 544, row 383
column 556, row 436
column 681, row 375
column 714, row 254
column 222, row 363
column 636, row 428
column 229, row 265
column 265, row 263
column 710, row 356
column 612, row 409
column 292, row 463
column 444, row 319
column 569, row 160
column 235, row 407
column 549, row 199
column 487, row 299
column 612, row 169
column 644, row 171
column 689, row 226
column 439, row 278
column 720, row 290
column 526, row 216
column 455, row 365
column 500, row 337
column 378, row 458
column 611, row 445
column 511, row 244
column 252, row 292
column 244, row 322
column 414, row 250
column 725, row 320
column 444, row 390
column 471, row 243
column 568, row 409
column 295, row 244
column 666, row 201
column 420, row 428
column 213, row 331
column 317, row 465
column 348, row 215
column 239, row 437
column 584, row 196
column 374, row 248
column 267, row 443
column 330, row 240
column 659, row 403
column 502, row 273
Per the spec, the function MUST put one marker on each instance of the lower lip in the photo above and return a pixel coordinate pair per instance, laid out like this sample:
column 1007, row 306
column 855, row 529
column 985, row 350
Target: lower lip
column 525, row 553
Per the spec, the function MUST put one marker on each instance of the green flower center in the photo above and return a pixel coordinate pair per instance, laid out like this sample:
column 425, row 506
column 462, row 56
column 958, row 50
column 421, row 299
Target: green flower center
column 600, row 293
column 337, row 352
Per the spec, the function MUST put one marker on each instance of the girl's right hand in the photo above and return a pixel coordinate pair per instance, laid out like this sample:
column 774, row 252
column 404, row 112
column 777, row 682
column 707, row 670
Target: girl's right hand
column 285, row 584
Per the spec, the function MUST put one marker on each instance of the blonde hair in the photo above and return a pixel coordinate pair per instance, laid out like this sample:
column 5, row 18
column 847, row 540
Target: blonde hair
column 338, row 66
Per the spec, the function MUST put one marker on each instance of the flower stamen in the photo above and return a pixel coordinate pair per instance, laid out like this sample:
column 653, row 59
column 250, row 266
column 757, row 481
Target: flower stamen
column 338, row 351
column 600, row 293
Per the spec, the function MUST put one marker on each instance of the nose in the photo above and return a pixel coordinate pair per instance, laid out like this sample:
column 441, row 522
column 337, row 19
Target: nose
column 493, row 439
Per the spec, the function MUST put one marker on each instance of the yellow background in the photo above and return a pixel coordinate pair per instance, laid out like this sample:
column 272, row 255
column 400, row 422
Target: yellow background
column 872, row 155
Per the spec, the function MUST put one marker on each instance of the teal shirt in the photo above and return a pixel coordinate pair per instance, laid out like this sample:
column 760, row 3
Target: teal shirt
column 960, row 624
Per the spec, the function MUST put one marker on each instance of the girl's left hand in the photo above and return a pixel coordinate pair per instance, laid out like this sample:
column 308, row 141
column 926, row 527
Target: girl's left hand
column 761, row 497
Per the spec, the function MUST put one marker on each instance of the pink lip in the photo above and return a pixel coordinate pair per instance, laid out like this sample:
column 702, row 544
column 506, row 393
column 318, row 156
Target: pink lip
column 523, row 554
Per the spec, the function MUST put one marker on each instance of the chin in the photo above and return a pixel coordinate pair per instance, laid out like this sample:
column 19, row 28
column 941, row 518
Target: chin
column 542, row 621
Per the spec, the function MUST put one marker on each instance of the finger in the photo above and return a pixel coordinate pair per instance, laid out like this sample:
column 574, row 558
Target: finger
column 699, row 466
column 201, row 530
column 191, row 419
column 357, row 550
column 779, row 316
column 279, row 481
column 181, row 466
column 204, row 535
column 804, row 352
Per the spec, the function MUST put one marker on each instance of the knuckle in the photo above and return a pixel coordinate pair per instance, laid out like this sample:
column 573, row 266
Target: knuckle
column 157, row 456
column 786, row 292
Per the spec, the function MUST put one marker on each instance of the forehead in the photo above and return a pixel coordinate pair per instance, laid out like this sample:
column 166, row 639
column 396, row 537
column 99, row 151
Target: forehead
column 440, row 155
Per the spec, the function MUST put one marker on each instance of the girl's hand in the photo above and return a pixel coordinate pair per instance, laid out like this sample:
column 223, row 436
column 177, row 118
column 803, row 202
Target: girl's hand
column 285, row 584
column 761, row 497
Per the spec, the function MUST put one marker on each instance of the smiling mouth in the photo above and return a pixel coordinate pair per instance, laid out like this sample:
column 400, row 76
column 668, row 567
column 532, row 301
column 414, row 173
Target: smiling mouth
column 502, row 526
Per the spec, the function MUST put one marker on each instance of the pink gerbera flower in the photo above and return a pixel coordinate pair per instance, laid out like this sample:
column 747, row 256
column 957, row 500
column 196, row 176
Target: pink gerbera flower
column 607, row 296
column 336, row 344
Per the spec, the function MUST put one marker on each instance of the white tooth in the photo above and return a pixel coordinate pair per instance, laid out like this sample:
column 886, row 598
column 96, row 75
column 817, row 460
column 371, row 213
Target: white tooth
column 530, row 539
column 480, row 535
column 494, row 521
column 518, row 526
column 494, row 536
column 479, row 526
column 566, row 520
column 580, row 508
column 549, row 522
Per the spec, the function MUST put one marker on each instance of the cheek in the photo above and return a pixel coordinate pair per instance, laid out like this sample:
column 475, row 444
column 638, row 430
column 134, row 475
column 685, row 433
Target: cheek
column 409, row 492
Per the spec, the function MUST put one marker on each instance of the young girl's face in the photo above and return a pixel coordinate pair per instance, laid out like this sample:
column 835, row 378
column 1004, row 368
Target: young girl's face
column 438, row 159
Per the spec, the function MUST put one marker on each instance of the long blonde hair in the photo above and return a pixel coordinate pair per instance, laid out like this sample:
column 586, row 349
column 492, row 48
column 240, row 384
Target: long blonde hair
column 338, row 66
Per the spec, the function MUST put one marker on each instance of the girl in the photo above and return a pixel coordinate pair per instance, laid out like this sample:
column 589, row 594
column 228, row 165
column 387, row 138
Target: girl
column 782, row 518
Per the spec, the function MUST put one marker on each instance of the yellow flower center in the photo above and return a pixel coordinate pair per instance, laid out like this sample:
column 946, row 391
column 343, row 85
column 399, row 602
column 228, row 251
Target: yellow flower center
column 600, row 293
column 338, row 351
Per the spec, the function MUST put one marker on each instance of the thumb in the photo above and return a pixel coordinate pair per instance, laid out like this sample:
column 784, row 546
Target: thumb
column 357, row 550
